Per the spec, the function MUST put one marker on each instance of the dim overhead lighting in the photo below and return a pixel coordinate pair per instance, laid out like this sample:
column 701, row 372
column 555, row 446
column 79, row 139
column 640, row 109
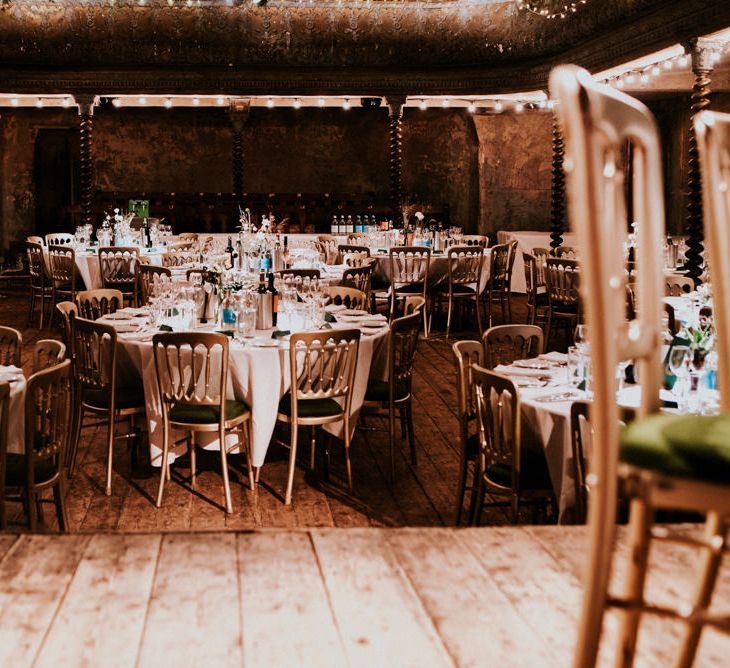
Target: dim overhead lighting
column 297, row 103
column 321, row 102
column 220, row 100
column 519, row 107
column 39, row 103
column 168, row 103
column 66, row 103
column 445, row 102
column 117, row 102
column 498, row 106
column 142, row 101
column 422, row 104
column 346, row 104
column 196, row 101
column 270, row 103
column 472, row 107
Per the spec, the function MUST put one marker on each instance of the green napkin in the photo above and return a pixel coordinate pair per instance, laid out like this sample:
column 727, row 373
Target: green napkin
column 670, row 378
column 280, row 333
column 165, row 328
column 328, row 317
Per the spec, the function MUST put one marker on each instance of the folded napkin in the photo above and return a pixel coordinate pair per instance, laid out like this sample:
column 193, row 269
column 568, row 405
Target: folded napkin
column 518, row 371
column 554, row 356
column 10, row 371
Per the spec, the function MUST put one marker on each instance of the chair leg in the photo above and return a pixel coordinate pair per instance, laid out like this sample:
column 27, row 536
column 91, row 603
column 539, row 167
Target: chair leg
column 77, row 424
column 479, row 314
column 448, row 315
column 59, row 493
column 391, row 440
column 39, row 509
column 224, row 471
column 292, row 462
column 715, row 531
column 515, row 509
column 193, row 460
column 164, row 468
column 3, row 515
column 411, row 434
column 473, row 496
column 461, row 488
column 249, row 462
column 110, row 451
column 31, row 508
column 348, row 463
column 312, row 448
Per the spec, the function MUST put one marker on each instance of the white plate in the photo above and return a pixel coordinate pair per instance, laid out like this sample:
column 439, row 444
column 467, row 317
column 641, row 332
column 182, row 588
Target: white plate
column 335, row 308
column 353, row 313
column 372, row 324
column 265, row 343
column 532, row 364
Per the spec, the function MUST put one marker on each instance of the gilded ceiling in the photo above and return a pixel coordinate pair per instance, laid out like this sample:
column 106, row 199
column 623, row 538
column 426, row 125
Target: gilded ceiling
column 337, row 46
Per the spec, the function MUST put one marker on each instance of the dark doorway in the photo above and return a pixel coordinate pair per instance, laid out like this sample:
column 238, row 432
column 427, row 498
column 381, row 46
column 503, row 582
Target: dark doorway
column 56, row 177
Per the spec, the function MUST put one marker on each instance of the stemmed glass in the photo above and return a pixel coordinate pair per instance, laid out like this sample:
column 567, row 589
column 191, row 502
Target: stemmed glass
column 581, row 338
column 576, row 367
column 678, row 366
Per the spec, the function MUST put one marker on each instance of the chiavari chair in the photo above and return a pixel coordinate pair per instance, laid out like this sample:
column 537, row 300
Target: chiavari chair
column 118, row 268
column 467, row 353
column 182, row 246
column 499, row 282
column 396, row 393
column 505, row 344
column 465, row 266
column 180, row 258
column 192, row 377
column 25, row 477
column 355, row 238
column 475, row 240
column 11, row 346
column 147, row 276
column 414, row 304
column 676, row 286
column 62, row 263
column 47, row 353
column 567, row 252
column 563, row 279
column 354, row 256
column 34, row 239
column 537, row 297
column 510, row 466
column 351, row 298
column 68, row 311
column 359, row 278
column 96, row 390
column 322, row 367
column 409, row 266
column 662, row 460
column 301, row 273
column 580, row 438
column 326, row 246
column 92, row 304
column 59, row 239
column 41, row 287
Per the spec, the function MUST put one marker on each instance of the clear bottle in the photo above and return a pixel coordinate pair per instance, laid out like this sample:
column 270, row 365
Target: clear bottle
column 334, row 227
column 271, row 289
column 227, row 314
column 349, row 226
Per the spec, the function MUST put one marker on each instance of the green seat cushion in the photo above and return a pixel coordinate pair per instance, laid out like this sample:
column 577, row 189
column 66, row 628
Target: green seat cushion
column 125, row 397
column 206, row 414
column 703, row 442
column 378, row 390
column 310, row 407
column 16, row 467
column 534, row 473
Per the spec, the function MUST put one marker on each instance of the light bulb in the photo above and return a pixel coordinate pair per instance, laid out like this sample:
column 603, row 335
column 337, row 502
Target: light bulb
column 445, row 102
column 220, row 100
column 39, row 103
column 519, row 107
column 270, row 103
column 321, row 102
column 297, row 103
column 168, row 103
column 498, row 106
column 117, row 102
column 346, row 104
column 472, row 107
column 422, row 104
column 142, row 100
column 196, row 101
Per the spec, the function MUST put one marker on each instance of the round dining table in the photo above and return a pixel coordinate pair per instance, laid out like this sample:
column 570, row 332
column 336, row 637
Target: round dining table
column 258, row 375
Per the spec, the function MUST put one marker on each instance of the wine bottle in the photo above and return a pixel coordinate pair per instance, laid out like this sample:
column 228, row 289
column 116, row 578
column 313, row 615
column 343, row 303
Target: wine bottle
column 286, row 252
column 271, row 289
column 229, row 250
column 334, row 227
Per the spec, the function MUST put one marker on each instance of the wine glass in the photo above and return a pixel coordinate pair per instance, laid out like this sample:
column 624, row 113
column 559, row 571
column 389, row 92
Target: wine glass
column 678, row 365
column 576, row 366
column 581, row 338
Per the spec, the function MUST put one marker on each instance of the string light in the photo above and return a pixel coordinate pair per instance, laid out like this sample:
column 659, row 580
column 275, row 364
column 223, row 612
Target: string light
column 117, row 102
column 346, row 104
column 168, row 103
column 270, row 103
column 519, row 107
column 66, row 103
column 321, row 102
column 220, row 100
column 445, row 102
column 142, row 101
column 422, row 105
column 39, row 103
column 472, row 107
column 498, row 106
column 297, row 103
column 196, row 101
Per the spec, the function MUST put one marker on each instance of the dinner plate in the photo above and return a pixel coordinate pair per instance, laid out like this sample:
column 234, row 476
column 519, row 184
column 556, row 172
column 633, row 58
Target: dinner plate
column 117, row 316
column 372, row 324
column 265, row 343
column 353, row 313
column 532, row 364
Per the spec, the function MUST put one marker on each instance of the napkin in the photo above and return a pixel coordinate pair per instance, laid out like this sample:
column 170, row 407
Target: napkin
column 518, row 371
column 10, row 371
column 555, row 356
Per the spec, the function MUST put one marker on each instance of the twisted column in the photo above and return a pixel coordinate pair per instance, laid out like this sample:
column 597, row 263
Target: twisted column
column 395, row 116
column 702, row 52
column 86, row 104
column 238, row 115
column 557, row 191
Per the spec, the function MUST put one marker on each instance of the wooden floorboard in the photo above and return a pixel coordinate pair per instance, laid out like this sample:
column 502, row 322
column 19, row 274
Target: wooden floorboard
column 320, row 597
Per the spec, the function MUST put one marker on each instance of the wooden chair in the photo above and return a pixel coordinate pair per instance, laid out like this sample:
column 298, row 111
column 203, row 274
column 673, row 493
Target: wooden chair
column 676, row 286
column 41, row 287
column 352, row 298
column 11, row 346
column 322, row 367
column 414, row 304
column 580, row 443
column 354, row 256
column 508, row 466
column 92, row 304
column 409, row 267
column 96, row 391
column 663, row 460
column 25, row 477
column 302, row 273
column 466, row 353
column 326, row 245
column 505, row 344
column 47, row 353
column 183, row 246
column 395, row 393
column 359, row 278
column 59, row 239
column 465, row 266
column 188, row 237
column 118, row 268
column 62, row 263
column 355, row 238
column 68, row 311
column 179, row 258
column 475, row 240
column 33, row 239
column 499, row 283
column 147, row 275
column 567, row 252
column 538, row 303
column 196, row 401
column 563, row 279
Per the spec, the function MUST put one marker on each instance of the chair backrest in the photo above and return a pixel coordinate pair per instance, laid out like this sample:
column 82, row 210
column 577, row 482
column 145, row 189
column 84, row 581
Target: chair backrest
column 36, row 261
column 118, row 267
column 11, row 346
column 466, row 353
column 475, row 240
column 580, row 441
column 46, row 353
column 179, row 259
column 562, row 278
column 541, row 256
column 676, row 286
column 504, row 344
column 68, row 311
column 148, row 275
column 302, row 273
column 344, row 249
column 59, row 239
column 93, row 304
column 358, row 277
column 498, row 416
column 530, row 265
column 62, row 265
column 352, row 298
column 182, row 246
column 354, row 256
column 33, row 239
column 94, row 351
column 500, row 265
column 47, row 418
column 327, row 247
column 414, row 304
column 403, row 343
column 568, row 252
column 465, row 265
column 356, row 237
column 713, row 140
column 188, row 236
column 408, row 265
column 191, row 368
column 322, row 366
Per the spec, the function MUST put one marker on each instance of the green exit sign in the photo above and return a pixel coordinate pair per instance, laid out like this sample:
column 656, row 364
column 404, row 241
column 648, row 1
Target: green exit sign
column 139, row 207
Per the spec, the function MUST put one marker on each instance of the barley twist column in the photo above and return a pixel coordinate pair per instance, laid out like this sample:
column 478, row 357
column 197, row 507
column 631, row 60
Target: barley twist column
column 86, row 103
column 702, row 52
column 395, row 115
column 238, row 115
column 557, row 192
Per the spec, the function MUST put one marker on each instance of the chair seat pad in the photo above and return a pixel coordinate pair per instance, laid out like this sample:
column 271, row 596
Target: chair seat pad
column 16, row 470
column 125, row 397
column 410, row 289
column 206, row 414
column 378, row 390
column 686, row 446
column 534, row 472
column 310, row 407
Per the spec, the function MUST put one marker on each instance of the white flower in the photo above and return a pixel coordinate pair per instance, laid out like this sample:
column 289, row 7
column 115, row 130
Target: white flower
column 420, row 216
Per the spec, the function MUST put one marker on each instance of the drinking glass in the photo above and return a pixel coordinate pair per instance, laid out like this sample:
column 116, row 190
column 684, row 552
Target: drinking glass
column 576, row 367
column 581, row 338
column 678, row 366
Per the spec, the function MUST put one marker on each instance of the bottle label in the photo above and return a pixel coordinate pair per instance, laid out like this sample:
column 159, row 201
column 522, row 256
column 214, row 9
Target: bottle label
column 229, row 316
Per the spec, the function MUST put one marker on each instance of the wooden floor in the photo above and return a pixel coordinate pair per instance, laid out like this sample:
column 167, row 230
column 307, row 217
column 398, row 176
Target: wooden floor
column 423, row 495
column 319, row 597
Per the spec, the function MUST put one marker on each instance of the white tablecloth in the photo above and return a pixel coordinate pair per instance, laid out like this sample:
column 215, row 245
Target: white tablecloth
column 259, row 376
column 16, row 408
